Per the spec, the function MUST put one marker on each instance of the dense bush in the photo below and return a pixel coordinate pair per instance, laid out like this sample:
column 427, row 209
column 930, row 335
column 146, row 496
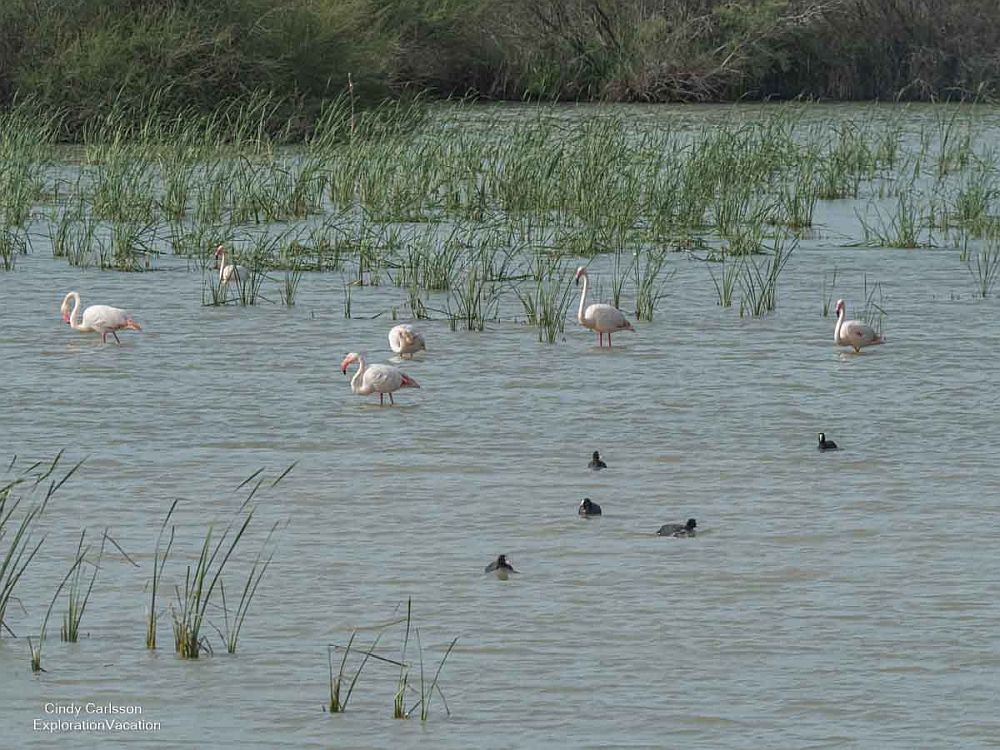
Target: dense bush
column 80, row 57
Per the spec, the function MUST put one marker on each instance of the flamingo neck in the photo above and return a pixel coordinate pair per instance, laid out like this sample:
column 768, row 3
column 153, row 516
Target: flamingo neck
column 222, row 266
column 74, row 320
column 583, row 300
column 840, row 323
column 358, row 375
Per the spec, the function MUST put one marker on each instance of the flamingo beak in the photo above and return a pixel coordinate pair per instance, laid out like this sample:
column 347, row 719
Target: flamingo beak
column 65, row 317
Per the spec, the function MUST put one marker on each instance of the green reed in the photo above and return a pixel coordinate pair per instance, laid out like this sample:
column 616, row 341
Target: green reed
column 984, row 268
column 336, row 704
column 36, row 648
column 650, row 282
column 159, row 561
column 78, row 595
column 231, row 633
column 399, row 699
column 828, row 292
column 13, row 242
column 725, row 282
column 759, row 281
column 199, row 584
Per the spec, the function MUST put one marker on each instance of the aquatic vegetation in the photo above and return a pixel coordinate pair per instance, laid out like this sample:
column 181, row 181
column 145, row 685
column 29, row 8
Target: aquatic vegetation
column 13, row 242
column 36, row 648
column 759, row 282
column 726, row 281
column 336, row 704
column 78, row 596
column 828, row 292
column 159, row 561
column 199, row 584
column 984, row 267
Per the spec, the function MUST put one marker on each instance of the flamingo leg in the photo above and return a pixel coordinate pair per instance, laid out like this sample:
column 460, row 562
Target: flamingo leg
column 381, row 399
column 609, row 339
column 120, row 341
column 600, row 339
column 391, row 401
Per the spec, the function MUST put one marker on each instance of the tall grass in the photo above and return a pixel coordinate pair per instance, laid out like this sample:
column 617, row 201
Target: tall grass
column 159, row 561
column 36, row 648
column 78, row 595
column 338, row 704
column 984, row 268
column 199, row 584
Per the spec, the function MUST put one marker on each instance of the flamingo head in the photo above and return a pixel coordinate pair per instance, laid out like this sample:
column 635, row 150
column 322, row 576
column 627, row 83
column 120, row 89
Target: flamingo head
column 581, row 271
column 64, row 309
column 350, row 358
column 840, row 306
column 220, row 254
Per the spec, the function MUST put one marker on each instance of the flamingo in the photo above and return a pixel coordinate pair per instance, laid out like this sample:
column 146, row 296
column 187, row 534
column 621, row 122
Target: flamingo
column 380, row 379
column 229, row 272
column 854, row 333
column 100, row 319
column 599, row 317
column 405, row 340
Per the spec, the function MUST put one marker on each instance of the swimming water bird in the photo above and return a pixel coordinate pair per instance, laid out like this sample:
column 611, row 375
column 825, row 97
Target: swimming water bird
column 826, row 445
column 100, row 319
column 854, row 333
column 229, row 272
column 380, row 379
column 501, row 567
column 589, row 508
column 596, row 463
column 678, row 530
column 602, row 318
column 405, row 340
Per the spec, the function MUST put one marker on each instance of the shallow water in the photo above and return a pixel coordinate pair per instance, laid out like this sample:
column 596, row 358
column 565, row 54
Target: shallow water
column 846, row 599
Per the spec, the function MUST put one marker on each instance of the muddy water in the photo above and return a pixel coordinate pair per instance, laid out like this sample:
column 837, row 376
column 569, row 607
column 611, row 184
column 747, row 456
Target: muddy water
column 831, row 600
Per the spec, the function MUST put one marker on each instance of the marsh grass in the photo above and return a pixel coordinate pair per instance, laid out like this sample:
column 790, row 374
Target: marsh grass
column 547, row 304
column 828, row 292
column 725, row 282
column 13, row 242
column 759, row 281
column 36, row 648
column 159, row 561
column 338, row 704
column 427, row 693
column 231, row 632
column 649, row 282
column 78, row 595
column 399, row 699
column 199, row 584
column 290, row 286
column 874, row 313
column 20, row 550
column 984, row 268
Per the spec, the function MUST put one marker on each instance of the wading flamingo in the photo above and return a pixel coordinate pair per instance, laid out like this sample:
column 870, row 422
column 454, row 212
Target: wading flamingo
column 227, row 271
column 380, row 379
column 100, row 319
column 405, row 340
column 602, row 318
column 854, row 333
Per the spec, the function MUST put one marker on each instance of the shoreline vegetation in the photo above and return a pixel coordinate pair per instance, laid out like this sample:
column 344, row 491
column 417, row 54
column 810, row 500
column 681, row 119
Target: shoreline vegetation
column 74, row 62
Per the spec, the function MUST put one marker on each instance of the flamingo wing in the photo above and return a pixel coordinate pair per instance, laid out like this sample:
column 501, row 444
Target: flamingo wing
column 383, row 378
column 605, row 318
column 858, row 333
column 104, row 318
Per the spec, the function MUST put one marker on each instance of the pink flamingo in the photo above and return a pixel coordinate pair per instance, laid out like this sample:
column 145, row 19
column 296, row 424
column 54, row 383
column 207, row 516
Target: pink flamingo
column 405, row 340
column 599, row 317
column 380, row 379
column 227, row 271
column 854, row 333
column 100, row 319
